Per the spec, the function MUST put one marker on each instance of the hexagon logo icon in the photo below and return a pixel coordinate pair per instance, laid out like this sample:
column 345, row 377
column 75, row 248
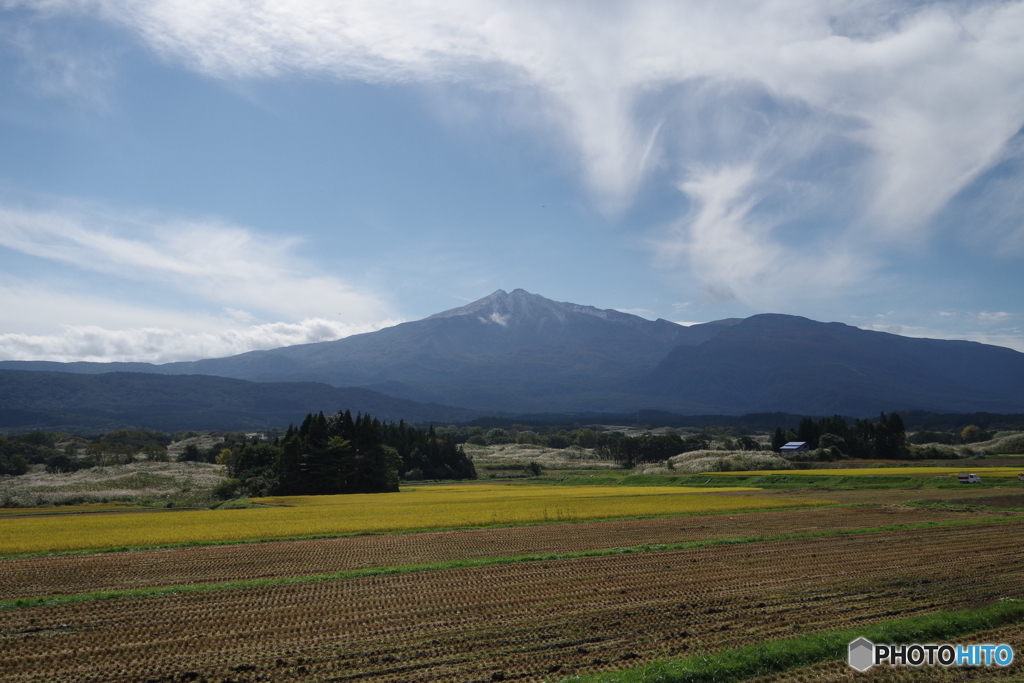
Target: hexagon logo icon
column 862, row 654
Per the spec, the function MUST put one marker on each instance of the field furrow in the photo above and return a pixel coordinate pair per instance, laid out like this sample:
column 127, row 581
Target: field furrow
column 70, row 574
column 535, row 621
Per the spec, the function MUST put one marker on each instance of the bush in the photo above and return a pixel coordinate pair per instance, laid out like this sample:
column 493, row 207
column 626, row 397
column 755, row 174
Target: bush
column 228, row 489
column 191, row 454
column 155, row 453
column 974, row 434
column 62, row 463
column 836, row 444
column 498, row 436
column 558, row 441
column 533, row 469
column 15, row 465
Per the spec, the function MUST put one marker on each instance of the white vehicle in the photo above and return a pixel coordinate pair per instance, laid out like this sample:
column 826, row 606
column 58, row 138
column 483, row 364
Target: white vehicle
column 1021, row 476
column 969, row 479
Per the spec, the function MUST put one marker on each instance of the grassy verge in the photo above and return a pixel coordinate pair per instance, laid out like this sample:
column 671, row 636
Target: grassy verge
column 47, row 601
column 763, row 659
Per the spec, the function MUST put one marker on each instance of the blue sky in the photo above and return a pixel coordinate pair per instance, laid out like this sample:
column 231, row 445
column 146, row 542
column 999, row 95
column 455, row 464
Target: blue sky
column 186, row 179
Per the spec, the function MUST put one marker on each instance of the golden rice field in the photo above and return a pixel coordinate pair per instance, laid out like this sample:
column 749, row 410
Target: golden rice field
column 419, row 508
column 998, row 472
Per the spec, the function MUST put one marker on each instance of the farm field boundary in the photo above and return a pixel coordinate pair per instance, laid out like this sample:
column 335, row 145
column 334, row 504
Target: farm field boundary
column 741, row 664
column 179, row 589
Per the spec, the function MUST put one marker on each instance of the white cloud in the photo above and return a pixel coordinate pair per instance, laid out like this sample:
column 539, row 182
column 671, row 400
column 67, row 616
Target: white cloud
column 734, row 252
column 68, row 325
column 58, row 66
column 162, row 345
column 917, row 99
column 1010, row 339
column 220, row 264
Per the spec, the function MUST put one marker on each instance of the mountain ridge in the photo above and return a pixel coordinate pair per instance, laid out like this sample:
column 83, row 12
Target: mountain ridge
column 517, row 352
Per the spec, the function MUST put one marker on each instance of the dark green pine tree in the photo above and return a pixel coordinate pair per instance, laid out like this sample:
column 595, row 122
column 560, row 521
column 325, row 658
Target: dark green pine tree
column 778, row 439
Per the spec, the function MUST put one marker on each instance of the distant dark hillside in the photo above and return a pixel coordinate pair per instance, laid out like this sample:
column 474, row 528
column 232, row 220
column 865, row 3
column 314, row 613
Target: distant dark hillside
column 785, row 363
column 521, row 353
column 93, row 403
column 508, row 352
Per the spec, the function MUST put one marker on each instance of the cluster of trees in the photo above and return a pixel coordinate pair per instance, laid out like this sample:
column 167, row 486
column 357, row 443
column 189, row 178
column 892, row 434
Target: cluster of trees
column 340, row 454
column 16, row 451
column 584, row 437
column 629, row 451
column 34, row 448
column 885, row 438
column 967, row 435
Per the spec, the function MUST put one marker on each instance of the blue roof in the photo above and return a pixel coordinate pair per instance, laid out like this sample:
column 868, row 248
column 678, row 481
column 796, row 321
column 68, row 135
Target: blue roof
column 795, row 444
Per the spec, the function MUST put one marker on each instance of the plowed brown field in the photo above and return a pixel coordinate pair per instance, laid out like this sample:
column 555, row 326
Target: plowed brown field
column 525, row 621
column 70, row 574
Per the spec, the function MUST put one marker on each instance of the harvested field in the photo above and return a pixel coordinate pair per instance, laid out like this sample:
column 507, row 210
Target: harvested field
column 536, row 621
column 1010, row 501
column 70, row 574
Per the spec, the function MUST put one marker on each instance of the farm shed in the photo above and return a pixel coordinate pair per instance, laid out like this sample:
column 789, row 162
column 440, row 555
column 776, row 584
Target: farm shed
column 794, row 447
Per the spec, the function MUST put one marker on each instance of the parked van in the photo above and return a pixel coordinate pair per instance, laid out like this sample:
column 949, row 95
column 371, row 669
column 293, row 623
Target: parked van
column 970, row 478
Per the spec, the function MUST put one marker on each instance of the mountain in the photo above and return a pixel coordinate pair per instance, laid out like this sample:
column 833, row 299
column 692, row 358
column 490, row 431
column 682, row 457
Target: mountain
column 785, row 363
column 520, row 353
column 122, row 400
column 513, row 352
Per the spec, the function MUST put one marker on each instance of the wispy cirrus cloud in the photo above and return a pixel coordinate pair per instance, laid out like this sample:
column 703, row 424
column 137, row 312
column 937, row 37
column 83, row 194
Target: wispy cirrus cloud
column 243, row 291
column 220, row 264
column 869, row 117
column 855, row 122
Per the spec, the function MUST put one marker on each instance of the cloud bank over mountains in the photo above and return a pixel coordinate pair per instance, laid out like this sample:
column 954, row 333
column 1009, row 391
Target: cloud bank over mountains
column 234, row 276
column 839, row 135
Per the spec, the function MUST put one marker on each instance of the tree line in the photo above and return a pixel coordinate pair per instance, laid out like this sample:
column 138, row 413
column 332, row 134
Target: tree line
column 342, row 454
column 885, row 438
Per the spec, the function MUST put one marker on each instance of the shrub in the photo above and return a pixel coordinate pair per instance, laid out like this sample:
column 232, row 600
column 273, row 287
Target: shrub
column 228, row 489
column 498, row 436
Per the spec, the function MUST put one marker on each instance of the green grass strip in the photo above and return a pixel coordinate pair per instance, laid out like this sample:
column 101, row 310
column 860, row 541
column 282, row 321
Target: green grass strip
column 155, row 591
column 732, row 666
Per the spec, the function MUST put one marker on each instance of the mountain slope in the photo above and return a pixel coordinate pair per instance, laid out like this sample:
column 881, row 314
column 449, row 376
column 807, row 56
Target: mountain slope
column 506, row 352
column 522, row 353
column 509, row 351
column 80, row 402
column 786, row 363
